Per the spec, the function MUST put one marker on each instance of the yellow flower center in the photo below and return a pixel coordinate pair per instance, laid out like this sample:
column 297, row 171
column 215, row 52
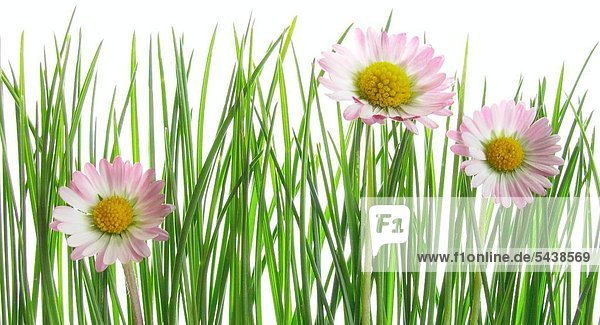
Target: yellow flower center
column 384, row 84
column 504, row 154
column 113, row 214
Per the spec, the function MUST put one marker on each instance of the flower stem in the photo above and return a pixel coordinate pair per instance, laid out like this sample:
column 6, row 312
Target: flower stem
column 134, row 295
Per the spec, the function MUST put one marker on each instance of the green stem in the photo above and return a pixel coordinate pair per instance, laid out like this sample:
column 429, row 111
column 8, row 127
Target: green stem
column 366, row 276
column 474, row 317
column 133, row 292
column 366, row 298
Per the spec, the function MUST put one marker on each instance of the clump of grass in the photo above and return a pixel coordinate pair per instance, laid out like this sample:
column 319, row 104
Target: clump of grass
column 250, row 211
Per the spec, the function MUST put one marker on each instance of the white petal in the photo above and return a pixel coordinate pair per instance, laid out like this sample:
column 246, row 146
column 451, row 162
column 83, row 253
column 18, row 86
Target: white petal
column 97, row 245
column 74, row 199
column 68, row 214
column 489, row 185
column 476, row 167
column 481, row 176
column 112, row 250
column 70, row 228
column 470, row 140
column 83, row 238
column 476, row 153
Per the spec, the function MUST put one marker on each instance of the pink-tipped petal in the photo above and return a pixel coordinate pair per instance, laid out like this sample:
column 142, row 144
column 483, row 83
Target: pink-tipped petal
column 352, row 112
column 161, row 235
column 460, row 150
column 54, row 225
column 99, row 262
column 410, row 126
column 454, row 135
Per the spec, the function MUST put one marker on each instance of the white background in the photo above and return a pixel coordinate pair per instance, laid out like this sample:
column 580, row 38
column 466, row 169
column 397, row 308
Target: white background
column 507, row 39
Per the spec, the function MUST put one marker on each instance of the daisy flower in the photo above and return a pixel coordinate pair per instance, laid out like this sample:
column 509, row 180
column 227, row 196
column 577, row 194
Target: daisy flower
column 388, row 76
column 512, row 155
column 113, row 211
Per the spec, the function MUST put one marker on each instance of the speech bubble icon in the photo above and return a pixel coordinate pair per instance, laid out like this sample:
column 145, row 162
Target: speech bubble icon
column 388, row 224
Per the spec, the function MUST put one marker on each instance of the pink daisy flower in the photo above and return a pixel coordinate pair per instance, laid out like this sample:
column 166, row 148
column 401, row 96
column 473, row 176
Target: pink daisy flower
column 113, row 211
column 512, row 155
column 388, row 76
